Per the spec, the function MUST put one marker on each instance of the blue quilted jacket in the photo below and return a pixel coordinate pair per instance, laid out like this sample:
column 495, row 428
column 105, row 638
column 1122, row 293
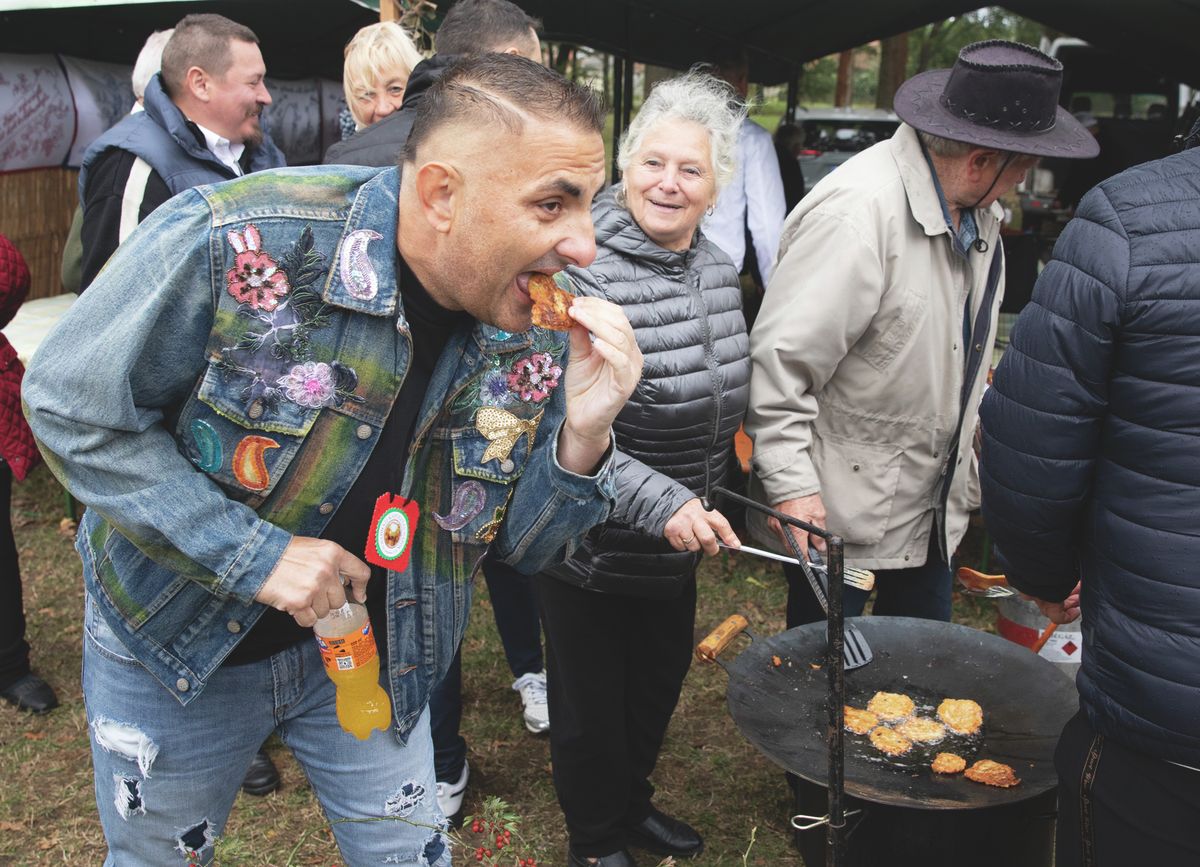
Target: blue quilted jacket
column 1091, row 450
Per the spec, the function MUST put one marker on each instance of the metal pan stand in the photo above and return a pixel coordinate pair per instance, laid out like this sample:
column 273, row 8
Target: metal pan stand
column 835, row 821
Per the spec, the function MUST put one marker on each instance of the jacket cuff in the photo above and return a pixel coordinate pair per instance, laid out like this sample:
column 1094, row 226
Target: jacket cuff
column 785, row 473
column 255, row 561
column 580, row 487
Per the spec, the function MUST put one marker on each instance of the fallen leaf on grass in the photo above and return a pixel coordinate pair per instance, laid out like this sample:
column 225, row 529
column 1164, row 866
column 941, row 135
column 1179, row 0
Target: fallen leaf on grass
column 35, row 736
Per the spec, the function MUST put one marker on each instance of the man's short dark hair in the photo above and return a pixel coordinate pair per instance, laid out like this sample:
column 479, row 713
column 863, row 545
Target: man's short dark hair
column 490, row 90
column 479, row 26
column 201, row 40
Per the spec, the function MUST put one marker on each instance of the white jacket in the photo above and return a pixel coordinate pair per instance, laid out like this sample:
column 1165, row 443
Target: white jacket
column 858, row 358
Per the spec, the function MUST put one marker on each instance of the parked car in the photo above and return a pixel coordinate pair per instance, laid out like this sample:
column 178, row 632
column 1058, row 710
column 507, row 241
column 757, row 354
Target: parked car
column 833, row 135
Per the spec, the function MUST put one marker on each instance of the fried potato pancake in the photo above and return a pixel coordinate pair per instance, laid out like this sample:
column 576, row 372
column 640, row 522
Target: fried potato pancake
column 550, row 303
column 858, row 720
column 922, row 730
column 992, row 774
column 948, row 763
column 891, row 706
column 961, row 715
column 889, row 741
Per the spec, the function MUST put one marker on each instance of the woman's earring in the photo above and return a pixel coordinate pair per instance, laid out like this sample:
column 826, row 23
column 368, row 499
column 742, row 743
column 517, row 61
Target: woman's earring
column 709, row 210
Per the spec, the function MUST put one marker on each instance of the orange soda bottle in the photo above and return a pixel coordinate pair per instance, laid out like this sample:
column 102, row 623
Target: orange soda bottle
column 348, row 650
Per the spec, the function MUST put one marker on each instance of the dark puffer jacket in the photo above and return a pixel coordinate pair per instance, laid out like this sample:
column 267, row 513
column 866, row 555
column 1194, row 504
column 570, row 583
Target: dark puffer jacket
column 1091, row 454
column 677, row 430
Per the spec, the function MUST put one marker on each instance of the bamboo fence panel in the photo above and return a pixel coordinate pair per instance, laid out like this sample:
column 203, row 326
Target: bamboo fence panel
column 35, row 213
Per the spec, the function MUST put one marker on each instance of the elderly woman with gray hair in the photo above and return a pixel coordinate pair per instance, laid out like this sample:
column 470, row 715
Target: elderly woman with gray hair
column 619, row 614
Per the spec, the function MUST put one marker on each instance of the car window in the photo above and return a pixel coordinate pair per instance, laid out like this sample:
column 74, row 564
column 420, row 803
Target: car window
column 845, row 135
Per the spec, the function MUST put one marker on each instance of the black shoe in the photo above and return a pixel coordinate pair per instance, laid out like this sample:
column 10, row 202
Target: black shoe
column 620, row 858
column 664, row 835
column 31, row 693
column 262, row 778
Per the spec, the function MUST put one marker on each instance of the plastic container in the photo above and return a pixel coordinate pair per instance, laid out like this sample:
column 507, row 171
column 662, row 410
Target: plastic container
column 352, row 663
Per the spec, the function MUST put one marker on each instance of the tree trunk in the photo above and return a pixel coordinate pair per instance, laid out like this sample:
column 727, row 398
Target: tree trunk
column 893, row 63
column 928, row 44
column 843, row 93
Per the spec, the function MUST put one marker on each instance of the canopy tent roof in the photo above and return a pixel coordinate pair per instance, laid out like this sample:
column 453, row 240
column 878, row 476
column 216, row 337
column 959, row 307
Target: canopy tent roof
column 304, row 37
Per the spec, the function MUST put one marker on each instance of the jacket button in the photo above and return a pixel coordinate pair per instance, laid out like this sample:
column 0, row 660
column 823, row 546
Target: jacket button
column 855, row 468
column 905, row 558
column 363, row 431
column 979, row 347
column 507, row 466
column 255, row 410
column 935, row 453
column 182, row 685
column 325, row 508
column 954, row 346
column 233, row 626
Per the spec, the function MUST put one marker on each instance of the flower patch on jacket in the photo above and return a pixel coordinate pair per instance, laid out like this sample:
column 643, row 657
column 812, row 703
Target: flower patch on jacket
column 533, row 377
column 273, row 355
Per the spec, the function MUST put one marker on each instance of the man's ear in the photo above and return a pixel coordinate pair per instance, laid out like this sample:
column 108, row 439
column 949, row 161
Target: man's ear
column 197, row 82
column 981, row 161
column 438, row 187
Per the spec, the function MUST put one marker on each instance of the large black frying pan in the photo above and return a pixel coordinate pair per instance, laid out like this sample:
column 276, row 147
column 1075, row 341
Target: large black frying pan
column 1026, row 700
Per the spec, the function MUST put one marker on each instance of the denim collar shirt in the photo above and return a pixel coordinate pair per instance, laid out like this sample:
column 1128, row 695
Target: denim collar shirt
column 219, row 388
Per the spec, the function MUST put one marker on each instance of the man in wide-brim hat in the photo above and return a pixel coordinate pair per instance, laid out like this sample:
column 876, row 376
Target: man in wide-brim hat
column 872, row 347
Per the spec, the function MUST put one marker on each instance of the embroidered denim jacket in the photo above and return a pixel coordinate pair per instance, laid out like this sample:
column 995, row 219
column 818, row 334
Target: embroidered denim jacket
column 220, row 387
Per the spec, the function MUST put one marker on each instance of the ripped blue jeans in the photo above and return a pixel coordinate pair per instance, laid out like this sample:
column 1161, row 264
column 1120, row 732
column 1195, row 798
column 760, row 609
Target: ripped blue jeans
column 167, row 775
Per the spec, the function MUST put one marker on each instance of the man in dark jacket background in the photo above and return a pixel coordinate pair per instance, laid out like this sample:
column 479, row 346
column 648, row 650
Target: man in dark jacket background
column 1091, row 489
column 470, row 27
column 201, row 125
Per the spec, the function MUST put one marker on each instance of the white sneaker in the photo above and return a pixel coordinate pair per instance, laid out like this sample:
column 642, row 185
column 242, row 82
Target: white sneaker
column 450, row 795
column 532, row 687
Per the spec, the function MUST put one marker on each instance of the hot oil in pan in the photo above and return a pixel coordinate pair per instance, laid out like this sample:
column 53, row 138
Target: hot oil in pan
column 921, row 756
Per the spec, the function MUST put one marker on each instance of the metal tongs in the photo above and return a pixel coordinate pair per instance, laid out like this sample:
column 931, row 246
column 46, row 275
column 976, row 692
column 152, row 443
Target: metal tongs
column 863, row 579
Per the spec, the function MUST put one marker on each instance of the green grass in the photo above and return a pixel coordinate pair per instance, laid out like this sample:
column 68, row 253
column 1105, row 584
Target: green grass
column 707, row 774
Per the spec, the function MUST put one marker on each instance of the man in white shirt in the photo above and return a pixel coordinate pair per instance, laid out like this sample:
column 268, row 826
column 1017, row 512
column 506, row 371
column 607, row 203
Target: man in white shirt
column 753, row 202
column 200, row 124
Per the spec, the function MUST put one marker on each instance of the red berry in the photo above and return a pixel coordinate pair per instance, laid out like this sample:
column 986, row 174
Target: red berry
column 477, row 826
column 499, row 842
column 478, row 856
column 487, row 852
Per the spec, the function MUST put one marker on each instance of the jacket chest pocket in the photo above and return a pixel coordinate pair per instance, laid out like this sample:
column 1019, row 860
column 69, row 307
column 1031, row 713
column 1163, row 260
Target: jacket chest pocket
column 242, row 442
column 484, row 472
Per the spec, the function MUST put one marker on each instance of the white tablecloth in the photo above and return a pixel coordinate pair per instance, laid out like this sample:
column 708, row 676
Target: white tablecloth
column 33, row 322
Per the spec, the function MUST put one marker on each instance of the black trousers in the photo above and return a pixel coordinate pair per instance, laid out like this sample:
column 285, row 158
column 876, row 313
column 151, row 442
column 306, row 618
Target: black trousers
column 614, row 667
column 14, row 652
column 1119, row 808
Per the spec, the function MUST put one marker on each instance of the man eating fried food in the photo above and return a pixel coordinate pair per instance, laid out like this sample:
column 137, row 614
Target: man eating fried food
column 260, row 368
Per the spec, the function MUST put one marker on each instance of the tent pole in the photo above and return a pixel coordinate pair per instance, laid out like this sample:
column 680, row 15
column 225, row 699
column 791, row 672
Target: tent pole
column 618, row 86
column 793, row 95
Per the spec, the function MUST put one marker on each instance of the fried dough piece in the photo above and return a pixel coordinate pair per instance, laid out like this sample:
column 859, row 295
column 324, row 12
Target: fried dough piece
column 889, row 741
column 858, row 720
column 948, row 763
column 922, row 729
column 992, row 774
column 961, row 715
column 550, row 303
column 891, row 706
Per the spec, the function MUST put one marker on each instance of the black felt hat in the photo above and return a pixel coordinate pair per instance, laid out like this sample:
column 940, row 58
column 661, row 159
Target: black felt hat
column 998, row 94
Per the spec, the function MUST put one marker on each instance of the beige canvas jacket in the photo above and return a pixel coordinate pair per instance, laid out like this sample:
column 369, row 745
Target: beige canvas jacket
column 858, row 358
